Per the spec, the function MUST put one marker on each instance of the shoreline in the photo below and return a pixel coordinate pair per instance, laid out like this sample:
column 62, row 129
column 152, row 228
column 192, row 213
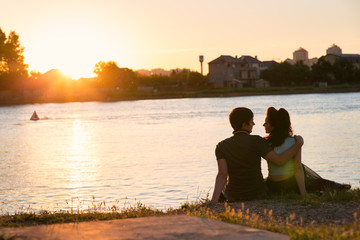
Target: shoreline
column 330, row 215
column 10, row 100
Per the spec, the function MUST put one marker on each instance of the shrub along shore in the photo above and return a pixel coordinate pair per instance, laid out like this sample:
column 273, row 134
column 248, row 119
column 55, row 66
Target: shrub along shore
column 328, row 215
column 109, row 95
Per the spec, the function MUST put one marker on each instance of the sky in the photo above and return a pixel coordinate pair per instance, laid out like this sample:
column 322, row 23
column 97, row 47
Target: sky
column 74, row 35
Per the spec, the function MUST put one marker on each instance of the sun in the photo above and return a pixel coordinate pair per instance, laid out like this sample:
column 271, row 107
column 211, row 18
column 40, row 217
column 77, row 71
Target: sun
column 75, row 55
column 72, row 45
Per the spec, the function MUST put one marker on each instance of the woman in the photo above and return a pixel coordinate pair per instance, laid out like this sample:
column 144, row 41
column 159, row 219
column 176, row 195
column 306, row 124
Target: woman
column 293, row 176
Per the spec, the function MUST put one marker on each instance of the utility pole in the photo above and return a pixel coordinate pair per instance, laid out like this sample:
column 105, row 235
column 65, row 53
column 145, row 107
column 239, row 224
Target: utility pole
column 201, row 59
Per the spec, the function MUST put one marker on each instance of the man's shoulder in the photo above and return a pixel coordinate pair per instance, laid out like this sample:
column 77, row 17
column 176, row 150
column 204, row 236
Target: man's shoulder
column 226, row 140
column 244, row 137
column 257, row 138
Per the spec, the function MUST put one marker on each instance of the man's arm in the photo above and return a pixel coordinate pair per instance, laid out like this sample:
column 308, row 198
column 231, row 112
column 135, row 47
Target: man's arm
column 285, row 156
column 220, row 181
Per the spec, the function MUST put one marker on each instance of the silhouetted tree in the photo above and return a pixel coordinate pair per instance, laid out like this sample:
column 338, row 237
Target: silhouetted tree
column 342, row 71
column 321, row 71
column 35, row 82
column 281, row 74
column 111, row 76
column 189, row 79
column 13, row 70
column 301, row 74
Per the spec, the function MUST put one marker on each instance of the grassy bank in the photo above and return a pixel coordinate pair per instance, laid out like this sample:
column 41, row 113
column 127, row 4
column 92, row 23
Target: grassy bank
column 330, row 215
column 287, row 214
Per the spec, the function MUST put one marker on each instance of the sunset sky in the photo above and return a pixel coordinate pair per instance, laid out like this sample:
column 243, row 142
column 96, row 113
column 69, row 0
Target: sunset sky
column 73, row 35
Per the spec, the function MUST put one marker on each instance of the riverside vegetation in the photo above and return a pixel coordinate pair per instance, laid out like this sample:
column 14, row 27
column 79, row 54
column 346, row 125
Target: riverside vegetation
column 327, row 215
column 106, row 95
column 113, row 83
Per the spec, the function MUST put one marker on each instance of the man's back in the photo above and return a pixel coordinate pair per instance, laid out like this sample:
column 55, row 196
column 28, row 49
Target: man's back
column 243, row 153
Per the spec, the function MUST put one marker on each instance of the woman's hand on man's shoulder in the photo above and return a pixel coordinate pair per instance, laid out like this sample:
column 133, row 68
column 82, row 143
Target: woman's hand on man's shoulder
column 299, row 139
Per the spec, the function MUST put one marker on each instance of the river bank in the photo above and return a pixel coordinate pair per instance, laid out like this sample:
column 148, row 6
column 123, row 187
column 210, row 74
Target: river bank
column 111, row 95
column 328, row 215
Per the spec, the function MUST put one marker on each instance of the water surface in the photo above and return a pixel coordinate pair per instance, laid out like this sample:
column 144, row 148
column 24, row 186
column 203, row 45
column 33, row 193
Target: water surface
column 159, row 152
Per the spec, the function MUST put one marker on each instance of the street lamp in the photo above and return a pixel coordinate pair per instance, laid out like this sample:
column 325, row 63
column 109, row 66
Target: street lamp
column 201, row 59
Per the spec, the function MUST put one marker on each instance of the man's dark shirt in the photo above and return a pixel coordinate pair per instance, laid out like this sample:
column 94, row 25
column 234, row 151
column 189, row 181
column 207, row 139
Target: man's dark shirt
column 243, row 153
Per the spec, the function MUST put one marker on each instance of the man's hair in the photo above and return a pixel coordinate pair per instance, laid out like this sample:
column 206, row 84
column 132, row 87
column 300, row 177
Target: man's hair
column 238, row 116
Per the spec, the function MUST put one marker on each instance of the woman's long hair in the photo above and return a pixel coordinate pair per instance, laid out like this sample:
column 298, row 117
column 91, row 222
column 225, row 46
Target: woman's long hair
column 280, row 124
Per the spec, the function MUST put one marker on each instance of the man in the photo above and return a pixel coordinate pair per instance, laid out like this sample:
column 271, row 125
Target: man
column 239, row 157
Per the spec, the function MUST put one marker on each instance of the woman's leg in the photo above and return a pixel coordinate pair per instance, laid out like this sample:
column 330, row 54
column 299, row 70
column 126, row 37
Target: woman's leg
column 315, row 183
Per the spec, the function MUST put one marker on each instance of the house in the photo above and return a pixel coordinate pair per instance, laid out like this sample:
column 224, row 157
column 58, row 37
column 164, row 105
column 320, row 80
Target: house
column 228, row 71
column 353, row 58
column 223, row 70
column 249, row 69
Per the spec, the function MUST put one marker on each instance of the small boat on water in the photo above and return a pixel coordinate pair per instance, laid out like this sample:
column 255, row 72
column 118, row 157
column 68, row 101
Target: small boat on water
column 34, row 116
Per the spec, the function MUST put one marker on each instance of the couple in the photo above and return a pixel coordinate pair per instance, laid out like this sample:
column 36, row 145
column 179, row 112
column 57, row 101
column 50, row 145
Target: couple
column 239, row 160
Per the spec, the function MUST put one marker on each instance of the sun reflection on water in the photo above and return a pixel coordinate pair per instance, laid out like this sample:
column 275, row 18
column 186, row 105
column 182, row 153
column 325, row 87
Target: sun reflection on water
column 81, row 166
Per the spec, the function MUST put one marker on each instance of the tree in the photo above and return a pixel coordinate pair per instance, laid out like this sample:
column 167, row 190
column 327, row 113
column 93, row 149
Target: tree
column 196, row 80
column 2, row 51
column 321, row 71
column 111, row 76
column 281, row 74
column 13, row 70
column 342, row 71
column 190, row 79
column 301, row 74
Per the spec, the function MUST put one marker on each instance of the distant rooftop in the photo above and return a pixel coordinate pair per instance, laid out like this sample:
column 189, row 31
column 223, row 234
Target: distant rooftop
column 354, row 58
column 225, row 59
column 269, row 63
column 230, row 59
column 249, row 59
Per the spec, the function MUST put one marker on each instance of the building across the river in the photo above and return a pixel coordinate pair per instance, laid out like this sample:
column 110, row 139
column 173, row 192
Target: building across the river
column 228, row 71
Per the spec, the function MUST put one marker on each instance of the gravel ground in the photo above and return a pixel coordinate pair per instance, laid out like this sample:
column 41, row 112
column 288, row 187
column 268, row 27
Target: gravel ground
column 327, row 212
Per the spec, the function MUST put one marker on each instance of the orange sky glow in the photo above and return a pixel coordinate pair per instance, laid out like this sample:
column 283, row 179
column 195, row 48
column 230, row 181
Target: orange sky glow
column 144, row 34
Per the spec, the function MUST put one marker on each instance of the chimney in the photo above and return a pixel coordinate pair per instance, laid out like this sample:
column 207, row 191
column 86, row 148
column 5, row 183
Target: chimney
column 256, row 57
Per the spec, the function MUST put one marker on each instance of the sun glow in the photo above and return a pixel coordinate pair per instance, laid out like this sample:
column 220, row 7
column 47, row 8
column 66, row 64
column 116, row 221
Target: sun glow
column 74, row 46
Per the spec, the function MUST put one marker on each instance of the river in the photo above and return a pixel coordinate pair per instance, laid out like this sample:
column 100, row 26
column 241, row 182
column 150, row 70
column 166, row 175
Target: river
column 158, row 152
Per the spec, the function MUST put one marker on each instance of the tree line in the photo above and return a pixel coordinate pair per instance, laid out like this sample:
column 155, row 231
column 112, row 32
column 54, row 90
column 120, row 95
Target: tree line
column 14, row 74
column 341, row 71
column 110, row 75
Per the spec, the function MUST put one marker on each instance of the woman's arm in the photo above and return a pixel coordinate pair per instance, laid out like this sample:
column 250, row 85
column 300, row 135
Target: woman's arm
column 220, row 181
column 299, row 173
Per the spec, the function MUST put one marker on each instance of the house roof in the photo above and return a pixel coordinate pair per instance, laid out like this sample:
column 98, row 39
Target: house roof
column 230, row 59
column 224, row 59
column 249, row 59
column 354, row 58
column 269, row 63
